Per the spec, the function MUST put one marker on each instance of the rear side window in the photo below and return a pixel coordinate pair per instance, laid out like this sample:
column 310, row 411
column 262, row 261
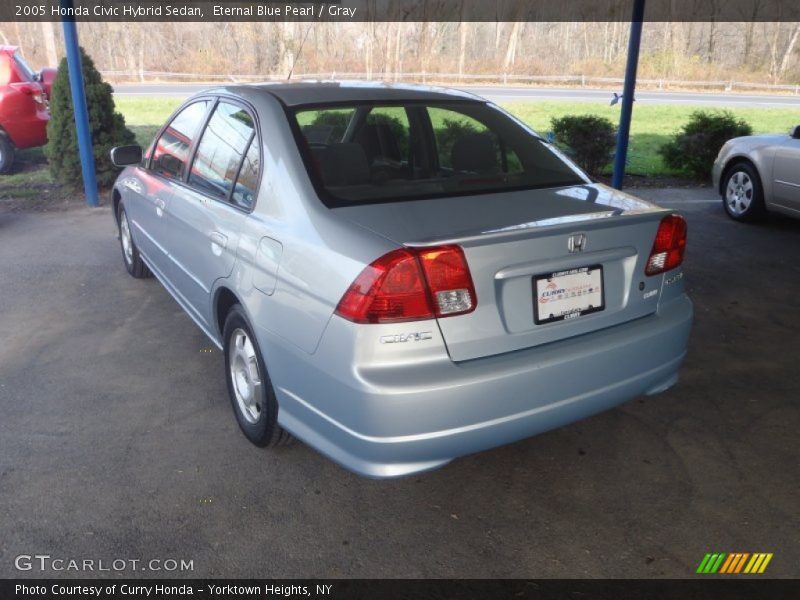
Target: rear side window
column 171, row 151
column 222, row 148
column 244, row 192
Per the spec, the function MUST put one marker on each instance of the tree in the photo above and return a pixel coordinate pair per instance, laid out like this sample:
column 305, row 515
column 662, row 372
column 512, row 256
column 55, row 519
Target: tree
column 107, row 126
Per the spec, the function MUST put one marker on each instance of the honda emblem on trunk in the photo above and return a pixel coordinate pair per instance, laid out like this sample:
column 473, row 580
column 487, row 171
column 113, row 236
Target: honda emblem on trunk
column 576, row 242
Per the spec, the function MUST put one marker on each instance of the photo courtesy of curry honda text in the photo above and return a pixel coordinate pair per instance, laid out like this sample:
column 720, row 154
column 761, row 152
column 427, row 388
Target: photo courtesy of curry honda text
column 401, row 275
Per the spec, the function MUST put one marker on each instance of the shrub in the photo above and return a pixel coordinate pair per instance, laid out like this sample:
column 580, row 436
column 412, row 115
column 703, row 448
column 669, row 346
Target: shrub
column 107, row 126
column 696, row 145
column 334, row 122
column 587, row 139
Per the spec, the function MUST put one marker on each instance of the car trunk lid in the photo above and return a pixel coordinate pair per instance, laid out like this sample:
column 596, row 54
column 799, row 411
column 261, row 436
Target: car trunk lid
column 574, row 238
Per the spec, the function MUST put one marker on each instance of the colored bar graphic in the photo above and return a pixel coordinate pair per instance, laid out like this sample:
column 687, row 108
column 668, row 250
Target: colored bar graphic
column 727, row 564
column 765, row 563
column 740, row 564
column 754, row 562
column 735, row 557
column 703, row 563
column 718, row 563
column 734, row 563
column 710, row 563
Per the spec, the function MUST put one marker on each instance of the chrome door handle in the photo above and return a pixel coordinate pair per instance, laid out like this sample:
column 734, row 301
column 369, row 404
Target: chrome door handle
column 160, row 205
column 218, row 238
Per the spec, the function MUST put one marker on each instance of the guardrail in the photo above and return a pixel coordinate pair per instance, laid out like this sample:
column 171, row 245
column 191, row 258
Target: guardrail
column 430, row 77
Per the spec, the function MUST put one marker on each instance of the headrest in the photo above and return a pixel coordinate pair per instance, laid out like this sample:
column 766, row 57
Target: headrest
column 474, row 152
column 378, row 139
column 343, row 164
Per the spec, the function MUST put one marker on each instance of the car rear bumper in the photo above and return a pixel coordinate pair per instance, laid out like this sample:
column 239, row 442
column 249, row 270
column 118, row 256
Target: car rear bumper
column 716, row 174
column 393, row 418
column 29, row 130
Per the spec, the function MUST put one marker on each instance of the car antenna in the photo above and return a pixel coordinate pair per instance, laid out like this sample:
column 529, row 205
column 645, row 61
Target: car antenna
column 299, row 52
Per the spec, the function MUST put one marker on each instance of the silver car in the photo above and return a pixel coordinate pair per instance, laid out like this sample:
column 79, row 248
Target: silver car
column 401, row 275
column 759, row 173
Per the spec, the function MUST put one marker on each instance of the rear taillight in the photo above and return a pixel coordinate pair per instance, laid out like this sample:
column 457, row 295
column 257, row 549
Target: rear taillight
column 411, row 284
column 669, row 246
column 32, row 89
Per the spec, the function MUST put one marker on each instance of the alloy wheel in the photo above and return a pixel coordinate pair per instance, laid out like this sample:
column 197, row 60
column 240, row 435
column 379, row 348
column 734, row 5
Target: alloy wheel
column 245, row 376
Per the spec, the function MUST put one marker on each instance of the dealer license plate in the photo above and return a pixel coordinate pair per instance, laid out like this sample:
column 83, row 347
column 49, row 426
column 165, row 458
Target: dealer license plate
column 567, row 294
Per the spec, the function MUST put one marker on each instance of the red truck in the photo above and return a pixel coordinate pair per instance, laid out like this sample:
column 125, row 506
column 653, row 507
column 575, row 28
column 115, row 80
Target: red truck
column 23, row 105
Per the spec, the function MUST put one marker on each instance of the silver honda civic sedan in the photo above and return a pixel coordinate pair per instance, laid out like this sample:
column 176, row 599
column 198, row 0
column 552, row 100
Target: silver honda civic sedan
column 401, row 275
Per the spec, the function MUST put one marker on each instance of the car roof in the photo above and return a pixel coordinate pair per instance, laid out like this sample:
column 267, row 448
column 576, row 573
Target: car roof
column 298, row 93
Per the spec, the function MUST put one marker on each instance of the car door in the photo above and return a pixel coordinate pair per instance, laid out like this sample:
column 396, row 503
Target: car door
column 786, row 171
column 207, row 213
column 151, row 192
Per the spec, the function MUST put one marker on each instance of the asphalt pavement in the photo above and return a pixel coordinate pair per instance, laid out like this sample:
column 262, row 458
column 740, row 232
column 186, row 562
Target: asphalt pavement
column 529, row 93
column 117, row 440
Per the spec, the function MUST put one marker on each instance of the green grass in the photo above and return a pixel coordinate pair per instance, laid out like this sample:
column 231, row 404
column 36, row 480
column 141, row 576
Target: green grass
column 146, row 110
column 29, row 181
column 38, row 176
column 30, row 176
column 652, row 125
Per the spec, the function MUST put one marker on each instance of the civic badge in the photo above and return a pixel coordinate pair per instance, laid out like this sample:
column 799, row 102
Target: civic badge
column 576, row 242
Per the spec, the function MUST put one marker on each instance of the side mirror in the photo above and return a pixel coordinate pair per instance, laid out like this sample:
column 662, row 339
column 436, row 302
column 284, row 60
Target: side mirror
column 123, row 156
column 796, row 132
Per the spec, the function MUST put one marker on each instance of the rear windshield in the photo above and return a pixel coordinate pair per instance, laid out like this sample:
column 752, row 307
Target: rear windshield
column 366, row 153
column 24, row 68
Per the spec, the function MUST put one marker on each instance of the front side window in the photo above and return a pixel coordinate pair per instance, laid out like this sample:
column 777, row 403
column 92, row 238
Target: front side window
column 222, row 147
column 171, row 151
column 370, row 153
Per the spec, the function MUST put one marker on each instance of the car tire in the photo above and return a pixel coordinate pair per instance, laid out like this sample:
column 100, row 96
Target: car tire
column 249, row 386
column 130, row 253
column 6, row 154
column 742, row 193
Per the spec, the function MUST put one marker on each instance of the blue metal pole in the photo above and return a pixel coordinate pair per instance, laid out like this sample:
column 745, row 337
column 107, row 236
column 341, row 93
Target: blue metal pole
column 624, row 129
column 76, row 86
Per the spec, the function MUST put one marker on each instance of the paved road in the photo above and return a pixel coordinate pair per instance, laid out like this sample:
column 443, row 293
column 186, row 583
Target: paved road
column 512, row 94
column 117, row 439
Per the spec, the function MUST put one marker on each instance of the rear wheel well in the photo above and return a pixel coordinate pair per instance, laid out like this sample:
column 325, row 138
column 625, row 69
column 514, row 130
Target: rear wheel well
column 225, row 300
column 739, row 160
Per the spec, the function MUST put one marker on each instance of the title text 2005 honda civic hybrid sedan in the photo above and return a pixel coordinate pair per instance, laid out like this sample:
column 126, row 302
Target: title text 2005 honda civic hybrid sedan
column 401, row 275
